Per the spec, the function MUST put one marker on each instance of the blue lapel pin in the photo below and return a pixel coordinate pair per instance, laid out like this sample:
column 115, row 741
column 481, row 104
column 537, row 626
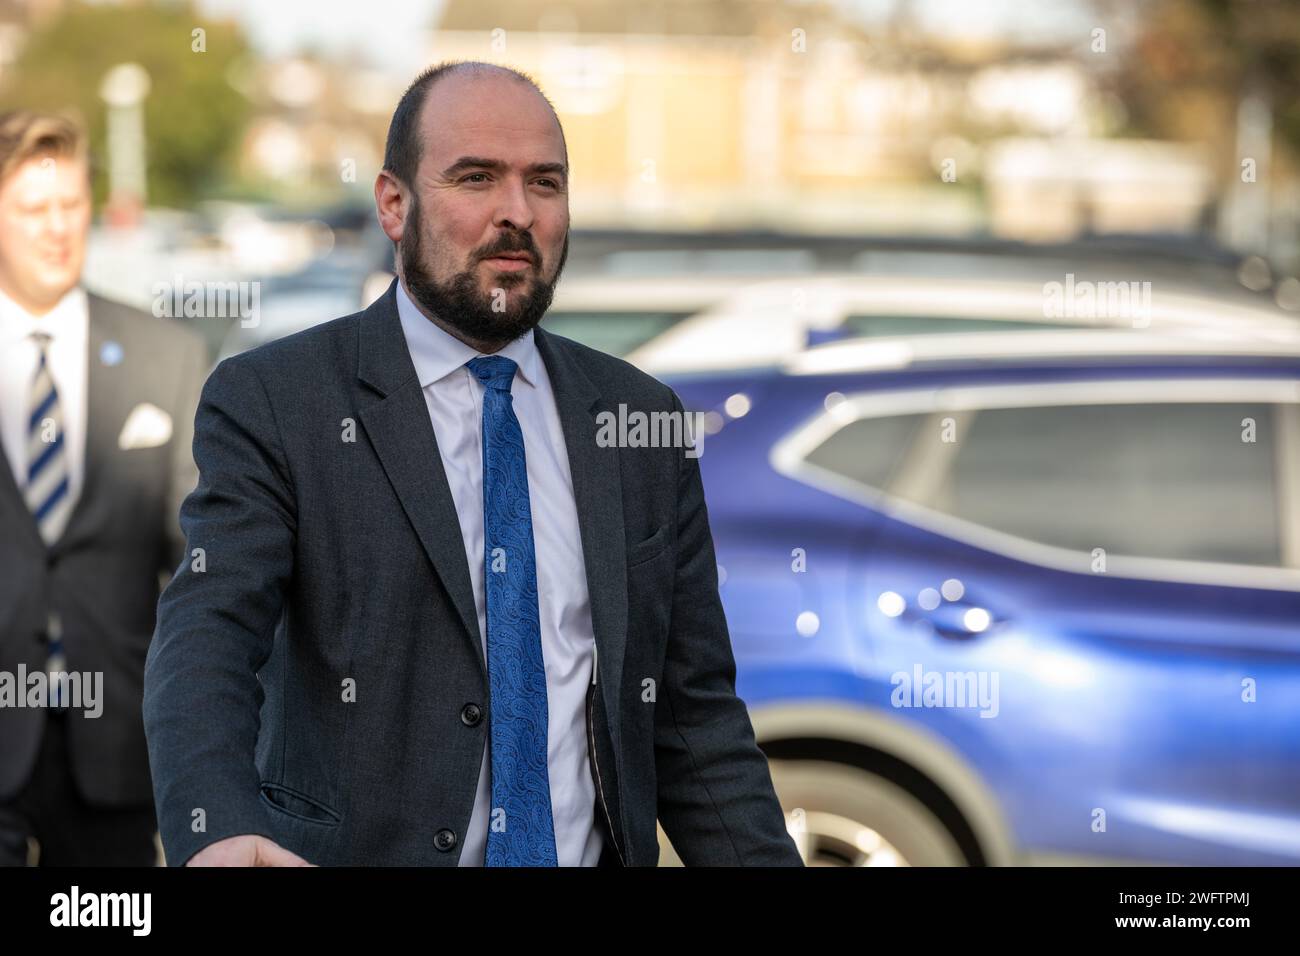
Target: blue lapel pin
column 110, row 353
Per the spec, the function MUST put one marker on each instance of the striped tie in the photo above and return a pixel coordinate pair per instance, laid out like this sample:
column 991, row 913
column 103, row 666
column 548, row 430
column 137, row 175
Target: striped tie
column 46, row 491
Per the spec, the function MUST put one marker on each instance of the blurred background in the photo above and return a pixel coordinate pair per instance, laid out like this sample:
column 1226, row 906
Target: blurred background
column 1068, row 231
column 738, row 137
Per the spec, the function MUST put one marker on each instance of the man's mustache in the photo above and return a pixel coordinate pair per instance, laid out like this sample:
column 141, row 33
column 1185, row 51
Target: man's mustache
column 526, row 247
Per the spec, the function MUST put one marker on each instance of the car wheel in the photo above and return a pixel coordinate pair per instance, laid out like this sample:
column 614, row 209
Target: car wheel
column 840, row 815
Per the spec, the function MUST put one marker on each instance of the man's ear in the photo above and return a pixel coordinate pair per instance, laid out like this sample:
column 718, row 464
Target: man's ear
column 390, row 205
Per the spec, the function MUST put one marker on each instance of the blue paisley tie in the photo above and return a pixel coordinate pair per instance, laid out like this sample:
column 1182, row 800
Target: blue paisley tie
column 521, row 831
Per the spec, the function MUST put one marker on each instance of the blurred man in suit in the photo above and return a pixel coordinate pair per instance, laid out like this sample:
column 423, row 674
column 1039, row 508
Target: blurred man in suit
column 96, row 406
column 439, row 622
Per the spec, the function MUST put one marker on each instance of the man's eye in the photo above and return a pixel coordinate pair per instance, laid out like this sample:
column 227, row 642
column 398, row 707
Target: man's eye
column 471, row 176
column 550, row 182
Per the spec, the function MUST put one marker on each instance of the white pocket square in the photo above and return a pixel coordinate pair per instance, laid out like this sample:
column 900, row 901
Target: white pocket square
column 148, row 426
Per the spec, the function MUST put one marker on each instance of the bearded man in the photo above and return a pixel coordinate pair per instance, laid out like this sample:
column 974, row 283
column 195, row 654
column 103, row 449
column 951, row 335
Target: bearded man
column 435, row 621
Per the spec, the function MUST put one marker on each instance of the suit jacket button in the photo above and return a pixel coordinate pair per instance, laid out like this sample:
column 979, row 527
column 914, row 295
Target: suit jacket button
column 444, row 840
column 470, row 715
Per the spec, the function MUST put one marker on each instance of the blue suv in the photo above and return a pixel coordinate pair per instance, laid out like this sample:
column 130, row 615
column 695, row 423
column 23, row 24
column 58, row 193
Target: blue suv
column 1018, row 598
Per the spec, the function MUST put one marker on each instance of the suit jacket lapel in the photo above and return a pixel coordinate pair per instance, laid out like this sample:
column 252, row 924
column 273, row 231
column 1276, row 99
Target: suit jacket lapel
column 105, row 405
column 106, row 401
column 598, row 494
column 399, row 428
column 12, row 502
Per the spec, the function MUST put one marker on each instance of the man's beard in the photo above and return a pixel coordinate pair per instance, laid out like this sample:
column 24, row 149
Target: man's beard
column 461, row 305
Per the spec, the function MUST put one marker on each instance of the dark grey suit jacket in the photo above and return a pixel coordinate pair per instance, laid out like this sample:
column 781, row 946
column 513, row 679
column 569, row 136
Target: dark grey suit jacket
column 333, row 565
column 102, row 574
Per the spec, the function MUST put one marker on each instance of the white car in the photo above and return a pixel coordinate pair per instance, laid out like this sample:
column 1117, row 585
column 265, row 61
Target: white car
column 766, row 323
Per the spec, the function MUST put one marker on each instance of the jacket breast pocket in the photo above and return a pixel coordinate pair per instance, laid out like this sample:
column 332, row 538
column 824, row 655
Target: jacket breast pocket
column 649, row 549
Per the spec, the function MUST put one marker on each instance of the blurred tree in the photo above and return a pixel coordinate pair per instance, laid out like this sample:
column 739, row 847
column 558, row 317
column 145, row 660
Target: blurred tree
column 194, row 117
column 1194, row 61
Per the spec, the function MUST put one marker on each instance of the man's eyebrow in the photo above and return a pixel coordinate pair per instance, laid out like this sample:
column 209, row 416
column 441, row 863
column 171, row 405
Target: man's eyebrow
column 496, row 165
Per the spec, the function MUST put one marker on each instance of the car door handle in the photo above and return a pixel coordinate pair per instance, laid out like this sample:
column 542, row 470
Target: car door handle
column 958, row 620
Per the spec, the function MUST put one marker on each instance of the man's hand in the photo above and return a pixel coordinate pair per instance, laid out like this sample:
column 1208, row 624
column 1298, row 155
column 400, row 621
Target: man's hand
column 249, row 850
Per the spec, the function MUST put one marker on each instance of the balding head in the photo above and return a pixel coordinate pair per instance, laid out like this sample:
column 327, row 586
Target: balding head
column 405, row 143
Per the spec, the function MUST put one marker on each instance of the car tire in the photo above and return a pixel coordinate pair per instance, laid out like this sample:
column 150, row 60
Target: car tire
column 845, row 816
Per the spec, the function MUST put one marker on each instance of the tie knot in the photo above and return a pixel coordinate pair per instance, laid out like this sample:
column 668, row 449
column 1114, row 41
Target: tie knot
column 42, row 340
column 494, row 371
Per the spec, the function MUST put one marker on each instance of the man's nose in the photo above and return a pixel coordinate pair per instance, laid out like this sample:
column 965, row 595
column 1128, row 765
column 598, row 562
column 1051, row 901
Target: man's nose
column 57, row 222
column 513, row 207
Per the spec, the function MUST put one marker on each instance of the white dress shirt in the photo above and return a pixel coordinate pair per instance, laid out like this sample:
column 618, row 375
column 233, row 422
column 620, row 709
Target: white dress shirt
column 454, row 397
column 67, row 324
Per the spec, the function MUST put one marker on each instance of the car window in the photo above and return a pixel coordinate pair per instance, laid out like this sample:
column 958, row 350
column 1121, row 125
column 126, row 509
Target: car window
column 1168, row 480
column 616, row 333
column 868, row 450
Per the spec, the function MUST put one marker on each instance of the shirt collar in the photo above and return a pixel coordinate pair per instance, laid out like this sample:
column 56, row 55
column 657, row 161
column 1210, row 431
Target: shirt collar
column 436, row 353
column 65, row 320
